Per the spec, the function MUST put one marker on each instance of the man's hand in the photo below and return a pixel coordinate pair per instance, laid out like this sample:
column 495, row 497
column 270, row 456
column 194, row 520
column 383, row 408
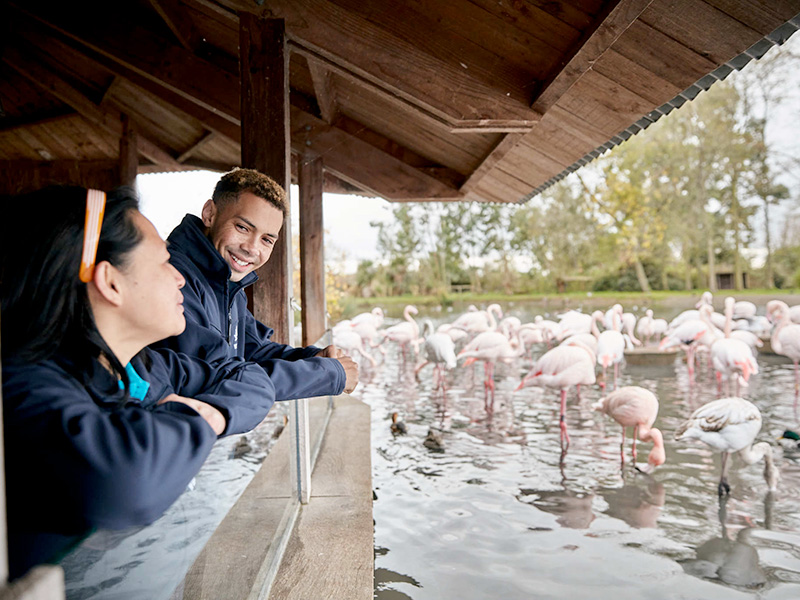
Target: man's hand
column 211, row 415
column 350, row 371
column 331, row 352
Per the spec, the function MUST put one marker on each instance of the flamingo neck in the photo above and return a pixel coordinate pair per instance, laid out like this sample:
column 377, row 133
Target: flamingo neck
column 774, row 340
column 657, row 454
column 595, row 330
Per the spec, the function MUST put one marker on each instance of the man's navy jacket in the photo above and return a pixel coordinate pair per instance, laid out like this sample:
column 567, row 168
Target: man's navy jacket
column 81, row 455
column 219, row 326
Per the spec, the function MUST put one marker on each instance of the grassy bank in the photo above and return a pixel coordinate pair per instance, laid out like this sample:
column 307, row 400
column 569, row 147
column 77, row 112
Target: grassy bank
column 395, row 304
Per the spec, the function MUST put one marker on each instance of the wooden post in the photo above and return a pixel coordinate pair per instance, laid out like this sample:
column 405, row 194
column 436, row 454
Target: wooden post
column 128, row 153
column 264, row 74
column 312, row 256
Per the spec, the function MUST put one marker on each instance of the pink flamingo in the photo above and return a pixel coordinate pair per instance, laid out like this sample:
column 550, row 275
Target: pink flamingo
column 561, row 368
column 374, row 317
column 439, row 350
column 490, row 347
column 785, row 338
column 688, row 335
column 350, row 341
column 611, row 348
column 405, row 333
column 730, row 356
column 645, row 327
column 634, row 406
column 478, row 321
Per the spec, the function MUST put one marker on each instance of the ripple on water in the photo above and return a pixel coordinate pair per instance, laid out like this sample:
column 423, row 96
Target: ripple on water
column 502, row 514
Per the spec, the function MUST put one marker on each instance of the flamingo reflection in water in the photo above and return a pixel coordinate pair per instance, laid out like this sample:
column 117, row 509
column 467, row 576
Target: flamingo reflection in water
column 733, row 561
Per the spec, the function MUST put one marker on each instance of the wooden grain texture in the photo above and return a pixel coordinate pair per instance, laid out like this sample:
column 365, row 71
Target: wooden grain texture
column 18, row 176
column 265, row 147
column 312, row 254
column 128, row 153
column 331, row 554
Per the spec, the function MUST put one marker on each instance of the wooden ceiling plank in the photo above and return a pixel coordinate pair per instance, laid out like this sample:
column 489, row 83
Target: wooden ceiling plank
column 375, row 171
column 361, row 48
column 52, row 83
column 178, row 23
column 554, row 14
column 663, row 56
column 324, row 91
column 636, row 78
column 505, row 145
column 763, row 16
column 150, row 56
column 7, row 125
column 208, row 137
column 12, row 147
column 699, row 26
column 608, row 27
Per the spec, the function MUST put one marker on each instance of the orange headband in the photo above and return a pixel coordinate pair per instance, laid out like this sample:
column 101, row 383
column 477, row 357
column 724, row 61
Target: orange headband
column 95, row 208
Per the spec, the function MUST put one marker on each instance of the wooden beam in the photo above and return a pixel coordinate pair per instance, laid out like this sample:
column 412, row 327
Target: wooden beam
column 324, row 92
column 220, row 106
column 399, row 67
column 42, row 118
column 264, row 68
column 128, row 155
column 312, row 256
column 178, row 22
column 208, row 136
column 354, row 160
column 52, row 83
column 503, row 147
column 609, row 25
column 20, row 176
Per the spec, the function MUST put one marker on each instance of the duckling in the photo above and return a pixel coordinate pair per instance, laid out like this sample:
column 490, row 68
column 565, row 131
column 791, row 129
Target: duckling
column 790, row 440
column 242, row 447
column 433, row 441
column 398, row 427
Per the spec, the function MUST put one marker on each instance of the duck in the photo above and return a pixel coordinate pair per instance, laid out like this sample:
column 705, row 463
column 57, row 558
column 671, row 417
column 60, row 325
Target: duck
column 433, row 441
column 790, row 440
column 730, row 425
column 242, row 447
column 397, row 426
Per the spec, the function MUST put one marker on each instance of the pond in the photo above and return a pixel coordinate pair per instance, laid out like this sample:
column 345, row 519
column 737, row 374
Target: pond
column 501, row 513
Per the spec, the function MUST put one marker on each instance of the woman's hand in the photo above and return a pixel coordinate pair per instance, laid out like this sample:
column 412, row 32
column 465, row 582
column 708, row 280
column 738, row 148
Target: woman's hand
column 211, row 415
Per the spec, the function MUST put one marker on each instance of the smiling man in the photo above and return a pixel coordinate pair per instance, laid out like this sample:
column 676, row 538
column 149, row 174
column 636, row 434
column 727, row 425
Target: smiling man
column 218, row 257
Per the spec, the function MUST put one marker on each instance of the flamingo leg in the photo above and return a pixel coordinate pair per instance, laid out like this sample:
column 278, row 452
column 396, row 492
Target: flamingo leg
column 724, row 489
column 616, row 374
column 796, row 381
column 622, row 449
column 633, row 447
column 719, row 384
column 690, row 363
column 578, row 390
column 563, row 419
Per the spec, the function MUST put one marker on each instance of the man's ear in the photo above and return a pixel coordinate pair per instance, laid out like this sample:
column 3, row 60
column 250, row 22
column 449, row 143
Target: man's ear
column 106, row 281
column 209, row 212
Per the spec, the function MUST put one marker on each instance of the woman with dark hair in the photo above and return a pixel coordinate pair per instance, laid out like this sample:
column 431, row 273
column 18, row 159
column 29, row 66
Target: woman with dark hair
column 100, row 431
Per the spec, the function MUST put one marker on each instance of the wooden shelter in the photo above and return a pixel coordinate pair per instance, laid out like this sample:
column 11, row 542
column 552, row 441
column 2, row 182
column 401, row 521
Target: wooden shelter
column 434, row 100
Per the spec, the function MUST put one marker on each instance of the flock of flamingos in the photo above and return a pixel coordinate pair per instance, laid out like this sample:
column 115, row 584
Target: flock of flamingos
column 578, row 343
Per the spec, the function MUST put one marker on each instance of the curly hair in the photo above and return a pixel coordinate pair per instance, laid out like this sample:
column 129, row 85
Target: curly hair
column 234, row 183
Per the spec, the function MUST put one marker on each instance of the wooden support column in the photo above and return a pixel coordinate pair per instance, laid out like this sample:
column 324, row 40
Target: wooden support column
column 128, row 153
column 312, row 256
column 264, row 74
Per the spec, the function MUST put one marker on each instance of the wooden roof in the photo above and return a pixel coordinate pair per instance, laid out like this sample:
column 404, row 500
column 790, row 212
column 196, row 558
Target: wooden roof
column 489, row 100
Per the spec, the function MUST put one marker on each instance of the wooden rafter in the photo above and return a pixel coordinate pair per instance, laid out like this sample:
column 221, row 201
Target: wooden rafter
column 355, row 47
column 208, row 136
column 107, row 119
column 323, row 90
column 609, row 25
column 178, row 23
column 207, row 91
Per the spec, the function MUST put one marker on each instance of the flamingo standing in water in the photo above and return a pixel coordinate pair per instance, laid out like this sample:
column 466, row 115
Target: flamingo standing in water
column 478, row 321
column 785, row 338
column 405, row 333
column 732, row 357
column 731, row 425
column 561, row 368
column 439, row 350
column 350, row 341
column 611, row 347
column 490, row 347
column 645, row 327
column 633, row 406
column 689, row 335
